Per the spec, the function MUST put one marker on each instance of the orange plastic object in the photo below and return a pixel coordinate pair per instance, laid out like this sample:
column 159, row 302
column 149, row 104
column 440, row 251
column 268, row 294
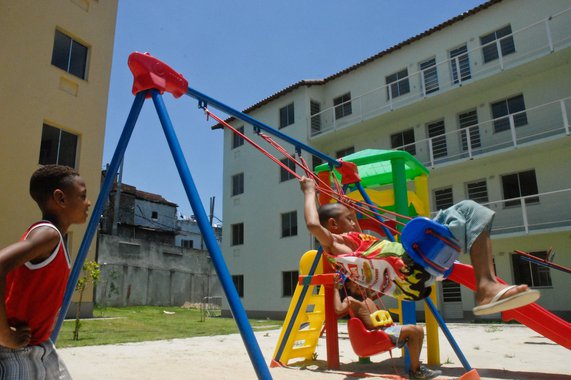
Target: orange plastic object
column 349, row 173
column 151, row 73
column 365, row 342
column 324, row 198
column 470, row 375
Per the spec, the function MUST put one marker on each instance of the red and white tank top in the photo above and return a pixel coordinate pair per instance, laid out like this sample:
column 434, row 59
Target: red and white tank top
column 34, row 292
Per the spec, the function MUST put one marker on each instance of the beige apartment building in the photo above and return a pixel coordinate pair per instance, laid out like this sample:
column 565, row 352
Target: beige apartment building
column 54, row 72
column 483, row 100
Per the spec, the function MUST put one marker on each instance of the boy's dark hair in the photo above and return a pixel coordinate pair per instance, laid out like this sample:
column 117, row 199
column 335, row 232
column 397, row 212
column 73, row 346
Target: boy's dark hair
column 49, row 178
column 328, row 210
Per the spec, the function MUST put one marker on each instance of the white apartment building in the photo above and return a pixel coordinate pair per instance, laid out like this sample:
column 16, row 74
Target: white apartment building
column 482, row 100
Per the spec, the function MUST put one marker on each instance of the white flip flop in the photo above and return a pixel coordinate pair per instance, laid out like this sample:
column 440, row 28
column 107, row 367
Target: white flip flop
column 497, row 305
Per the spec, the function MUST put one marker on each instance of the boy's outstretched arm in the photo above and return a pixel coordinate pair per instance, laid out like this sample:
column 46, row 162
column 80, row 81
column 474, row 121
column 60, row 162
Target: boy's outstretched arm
column 311, row 215
column 39, row 244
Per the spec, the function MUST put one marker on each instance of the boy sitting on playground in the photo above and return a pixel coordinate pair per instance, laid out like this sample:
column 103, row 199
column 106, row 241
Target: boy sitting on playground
column 385, row 266
column 361, row 305
column 34, row 274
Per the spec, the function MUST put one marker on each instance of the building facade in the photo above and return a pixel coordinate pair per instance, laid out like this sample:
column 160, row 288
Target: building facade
column 482, row 100
column 55, row 76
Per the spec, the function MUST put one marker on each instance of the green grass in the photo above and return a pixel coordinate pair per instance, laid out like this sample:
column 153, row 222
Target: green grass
column 113, row 325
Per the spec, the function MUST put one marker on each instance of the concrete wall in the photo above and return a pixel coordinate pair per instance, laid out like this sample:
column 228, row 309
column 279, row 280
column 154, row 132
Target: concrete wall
column 138, row 272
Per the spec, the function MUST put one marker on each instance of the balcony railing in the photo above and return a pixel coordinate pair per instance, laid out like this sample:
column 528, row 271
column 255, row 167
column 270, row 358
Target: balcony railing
column 532, row 213
column 532, row 124
column 529, row 43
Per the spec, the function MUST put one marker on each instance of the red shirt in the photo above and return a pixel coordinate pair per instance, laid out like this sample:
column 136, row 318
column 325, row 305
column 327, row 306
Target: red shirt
column 34, row 292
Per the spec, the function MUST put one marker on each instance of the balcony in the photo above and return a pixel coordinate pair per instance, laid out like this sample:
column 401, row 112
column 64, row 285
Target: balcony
column 514, row 49
column 533, row 213
column 550, row 120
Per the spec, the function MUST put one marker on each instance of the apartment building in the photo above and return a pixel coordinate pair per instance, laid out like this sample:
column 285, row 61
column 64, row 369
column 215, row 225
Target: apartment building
column 482, row 100
column 55, row 71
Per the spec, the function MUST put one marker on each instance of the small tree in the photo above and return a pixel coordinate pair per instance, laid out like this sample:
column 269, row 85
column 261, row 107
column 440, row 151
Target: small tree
column 91, row 274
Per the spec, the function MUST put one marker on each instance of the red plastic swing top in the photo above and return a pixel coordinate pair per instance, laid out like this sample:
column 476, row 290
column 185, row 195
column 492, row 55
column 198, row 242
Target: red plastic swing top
column 152, row 73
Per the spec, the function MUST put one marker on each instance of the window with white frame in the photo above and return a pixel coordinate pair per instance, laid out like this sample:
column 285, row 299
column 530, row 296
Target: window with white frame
column 443, row 198
column 343, row 106
column 314, row 110
column 527, row 272
column 186, row 243
column 237, row 184
column 477, row 191
column 69, row 55
column 397, row 84
column 289, row 224
column 238, row 140
column 436, row 132
column 238, row 280
column 57, row 147
column 287, row 115
column 502, row 110
column 460, row 64
column 429, row 76
column 404, row 140
column 286, row 175
column 345, row 152
column 490, row 46
column 519, row 185
column 468, row 124
column 289, row 281
column 238, row 234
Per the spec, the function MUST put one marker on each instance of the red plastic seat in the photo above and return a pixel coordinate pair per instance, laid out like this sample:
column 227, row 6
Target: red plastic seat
column 365, row 342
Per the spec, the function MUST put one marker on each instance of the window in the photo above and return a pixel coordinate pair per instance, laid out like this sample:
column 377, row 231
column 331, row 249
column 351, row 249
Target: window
column 451, row 291
column 526, row 272
column 345, row 152
column 436, row 132
column 429, row 76
column 314, row 110
column 404, row 140
column 502, row 110
column 289, row 224
column 187, row 243
column 490, row 47
column 315, row 162
column 238, row 234
column 468, row 123
column 519, row 185
column 460, row 64
column 287, row 116
column 284, row 174
column 238, row 140
column 478, row 191
column 154, row 215
column 397, row 84
column 57, row 147
column 69, row 55
column 238, row 281
column 289, row 283
column 342, row 106
column 237, row 184
column 443, row 198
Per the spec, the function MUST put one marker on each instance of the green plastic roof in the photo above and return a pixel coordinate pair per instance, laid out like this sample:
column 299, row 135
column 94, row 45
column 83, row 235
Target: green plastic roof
column 375, row 166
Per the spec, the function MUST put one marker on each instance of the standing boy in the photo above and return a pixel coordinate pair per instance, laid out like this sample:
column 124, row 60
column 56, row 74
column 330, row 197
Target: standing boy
column 34, row 274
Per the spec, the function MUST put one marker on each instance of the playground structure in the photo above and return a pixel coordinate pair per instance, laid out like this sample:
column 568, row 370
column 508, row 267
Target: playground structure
column 152, row 78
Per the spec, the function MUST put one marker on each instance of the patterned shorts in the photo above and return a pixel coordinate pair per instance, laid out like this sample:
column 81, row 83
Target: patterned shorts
column 32, row 362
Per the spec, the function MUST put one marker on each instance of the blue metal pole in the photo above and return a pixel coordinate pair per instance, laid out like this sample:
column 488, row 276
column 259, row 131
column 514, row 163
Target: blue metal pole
column 448, row 334
column 250, row 120
column 210, row 240
column 98, row 208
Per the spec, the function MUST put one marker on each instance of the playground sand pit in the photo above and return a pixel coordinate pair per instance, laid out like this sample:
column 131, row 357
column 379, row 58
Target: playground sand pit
column 496, row 351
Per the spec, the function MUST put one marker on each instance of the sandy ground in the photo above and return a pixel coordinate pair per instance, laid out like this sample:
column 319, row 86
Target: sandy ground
column 496, row 351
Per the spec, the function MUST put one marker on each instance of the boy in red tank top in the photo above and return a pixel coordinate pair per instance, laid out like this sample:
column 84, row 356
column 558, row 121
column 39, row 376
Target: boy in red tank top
column 34, row 274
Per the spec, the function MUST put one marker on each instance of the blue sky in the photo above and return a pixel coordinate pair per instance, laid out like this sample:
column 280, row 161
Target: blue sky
column 240, row 52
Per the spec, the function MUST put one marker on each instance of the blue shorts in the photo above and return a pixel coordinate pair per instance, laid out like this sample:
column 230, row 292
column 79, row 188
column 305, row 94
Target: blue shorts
column 466, row 221
column 394, row 333
column 32, row 362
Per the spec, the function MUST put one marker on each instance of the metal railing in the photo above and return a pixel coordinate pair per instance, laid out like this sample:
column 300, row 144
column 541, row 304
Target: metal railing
column 536, row 212
column 529, row 43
